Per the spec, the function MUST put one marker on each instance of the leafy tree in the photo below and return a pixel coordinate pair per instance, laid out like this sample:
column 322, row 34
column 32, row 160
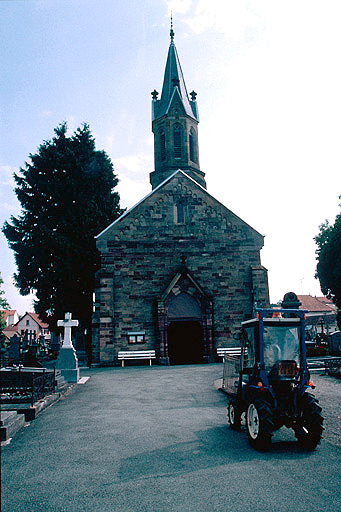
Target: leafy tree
column 328, row 252
column 67, row 197
column 3, row 305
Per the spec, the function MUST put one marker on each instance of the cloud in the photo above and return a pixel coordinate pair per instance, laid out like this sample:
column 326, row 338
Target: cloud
column 233, row 18
column 139, row 164
column 133, row 173
column 131, row 191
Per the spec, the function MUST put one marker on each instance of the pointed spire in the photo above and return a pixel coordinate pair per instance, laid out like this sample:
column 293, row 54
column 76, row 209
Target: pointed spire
column 173, row 80
column 175, row 121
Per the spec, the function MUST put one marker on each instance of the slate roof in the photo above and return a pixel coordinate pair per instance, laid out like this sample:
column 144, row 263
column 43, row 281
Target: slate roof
column 174, row 75
column 316, row 304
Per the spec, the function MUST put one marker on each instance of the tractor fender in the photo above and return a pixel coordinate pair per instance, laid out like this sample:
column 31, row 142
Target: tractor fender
column 265, row 393
column 299, row 393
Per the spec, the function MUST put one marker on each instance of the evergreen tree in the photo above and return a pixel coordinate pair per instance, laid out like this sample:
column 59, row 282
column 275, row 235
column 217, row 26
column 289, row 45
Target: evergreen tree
column 67, row 197
column 328, row 269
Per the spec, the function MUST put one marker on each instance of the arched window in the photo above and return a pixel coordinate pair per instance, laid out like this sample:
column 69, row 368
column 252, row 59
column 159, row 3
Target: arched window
column 177, row 140
column 192, row 146
column 162, row 145
column 180, row 213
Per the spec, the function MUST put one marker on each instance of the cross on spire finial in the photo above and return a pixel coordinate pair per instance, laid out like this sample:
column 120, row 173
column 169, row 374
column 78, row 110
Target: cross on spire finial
column 171, row 29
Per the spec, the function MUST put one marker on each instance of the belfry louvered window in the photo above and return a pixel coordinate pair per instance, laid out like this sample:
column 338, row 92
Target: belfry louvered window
column 177, row 140
column 163, row 145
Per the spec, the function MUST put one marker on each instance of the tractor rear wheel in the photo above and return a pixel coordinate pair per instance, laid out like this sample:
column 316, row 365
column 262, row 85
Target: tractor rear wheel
column 233, row 415
column 259, row 424
column 309, row 426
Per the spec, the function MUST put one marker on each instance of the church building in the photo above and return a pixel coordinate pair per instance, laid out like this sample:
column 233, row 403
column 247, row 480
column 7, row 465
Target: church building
column 179, row 271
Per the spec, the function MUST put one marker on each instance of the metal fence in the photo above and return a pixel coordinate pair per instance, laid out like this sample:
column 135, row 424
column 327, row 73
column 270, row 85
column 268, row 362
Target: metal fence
column 26, row 385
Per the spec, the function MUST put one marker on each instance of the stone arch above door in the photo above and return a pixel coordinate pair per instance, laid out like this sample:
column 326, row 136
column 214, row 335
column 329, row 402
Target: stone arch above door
column 183, row 306
column 185, row 299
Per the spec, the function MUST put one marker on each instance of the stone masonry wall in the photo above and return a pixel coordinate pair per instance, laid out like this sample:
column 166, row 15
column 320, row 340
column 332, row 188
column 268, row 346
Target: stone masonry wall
column 141, row 253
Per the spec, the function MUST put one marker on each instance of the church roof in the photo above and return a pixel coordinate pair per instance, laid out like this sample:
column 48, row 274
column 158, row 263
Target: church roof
column 173, row 80
column 179, row 171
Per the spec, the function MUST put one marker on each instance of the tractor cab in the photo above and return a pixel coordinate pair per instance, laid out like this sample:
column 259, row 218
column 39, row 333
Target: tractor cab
column 270, row 380
column 273, row 344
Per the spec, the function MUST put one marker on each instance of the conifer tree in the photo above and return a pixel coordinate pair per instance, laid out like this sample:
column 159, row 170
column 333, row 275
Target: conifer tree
column 328, row 269
column 67, row 197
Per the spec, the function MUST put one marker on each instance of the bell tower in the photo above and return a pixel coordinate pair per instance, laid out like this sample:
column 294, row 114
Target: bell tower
column 175, row 121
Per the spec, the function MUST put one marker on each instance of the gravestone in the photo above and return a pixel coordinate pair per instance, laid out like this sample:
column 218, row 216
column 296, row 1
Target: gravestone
column 80, row 349
column 54, row 347
column 14, row 350
column 30, row 356
column 42, row 347
column 67, row 361
column 25, row 341
column 334, row 341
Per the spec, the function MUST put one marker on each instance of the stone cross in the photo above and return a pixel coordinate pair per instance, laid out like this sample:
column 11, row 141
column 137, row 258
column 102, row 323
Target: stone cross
column 67, row 323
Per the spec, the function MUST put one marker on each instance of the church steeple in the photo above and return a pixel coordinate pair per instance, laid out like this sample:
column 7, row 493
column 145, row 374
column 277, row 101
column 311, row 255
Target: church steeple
column 175, row 121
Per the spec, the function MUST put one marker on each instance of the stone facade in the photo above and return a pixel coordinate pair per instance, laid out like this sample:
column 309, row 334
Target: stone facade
column 148, row 257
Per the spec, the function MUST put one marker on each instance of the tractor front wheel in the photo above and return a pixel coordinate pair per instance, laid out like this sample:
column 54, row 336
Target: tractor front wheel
column 309, row 425
column 259, row 424
column 233, row 415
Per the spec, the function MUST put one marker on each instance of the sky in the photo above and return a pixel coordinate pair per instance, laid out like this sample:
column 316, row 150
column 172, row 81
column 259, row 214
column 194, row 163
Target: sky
column 268, row 78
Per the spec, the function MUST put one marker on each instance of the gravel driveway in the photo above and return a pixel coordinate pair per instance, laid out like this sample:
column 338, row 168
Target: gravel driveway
column 328, row 392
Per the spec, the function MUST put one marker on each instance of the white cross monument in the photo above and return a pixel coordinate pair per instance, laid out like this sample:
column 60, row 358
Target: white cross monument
column 67, row 323
column 67, row 361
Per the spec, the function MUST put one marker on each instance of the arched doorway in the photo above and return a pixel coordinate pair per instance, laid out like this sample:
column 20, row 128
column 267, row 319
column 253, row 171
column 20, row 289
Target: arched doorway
column 184, row 322
column 184, row 333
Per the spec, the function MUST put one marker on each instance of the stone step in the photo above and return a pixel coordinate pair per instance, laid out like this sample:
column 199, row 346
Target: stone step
column 10, row 423
column 30, row 412
column 61, row 383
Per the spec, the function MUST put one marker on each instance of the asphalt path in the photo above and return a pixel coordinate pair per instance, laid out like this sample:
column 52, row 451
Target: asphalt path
column 156, row 439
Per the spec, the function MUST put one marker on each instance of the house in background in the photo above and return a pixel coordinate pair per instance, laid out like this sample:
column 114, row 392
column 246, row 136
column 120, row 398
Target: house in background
column 321, row 316
column 10, row 316
column 31, row 323
column 10, row 331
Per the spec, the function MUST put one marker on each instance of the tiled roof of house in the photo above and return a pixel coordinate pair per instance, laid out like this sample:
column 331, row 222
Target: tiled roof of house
column 35, row 317
column 10, row 331
column 316, row 304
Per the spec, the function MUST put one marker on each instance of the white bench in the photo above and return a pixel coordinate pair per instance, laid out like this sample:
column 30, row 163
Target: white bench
column 230, row 351
column 136, row 354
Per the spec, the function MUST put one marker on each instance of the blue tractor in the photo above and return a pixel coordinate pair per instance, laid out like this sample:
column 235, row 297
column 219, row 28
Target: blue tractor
column 270, row 382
